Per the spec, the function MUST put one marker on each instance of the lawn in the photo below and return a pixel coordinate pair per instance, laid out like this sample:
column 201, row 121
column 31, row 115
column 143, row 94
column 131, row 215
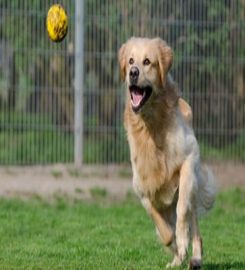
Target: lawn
column 79, row 235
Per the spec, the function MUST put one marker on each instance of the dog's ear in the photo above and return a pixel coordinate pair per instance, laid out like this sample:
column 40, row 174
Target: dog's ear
column 122, row 61
column 165, row 59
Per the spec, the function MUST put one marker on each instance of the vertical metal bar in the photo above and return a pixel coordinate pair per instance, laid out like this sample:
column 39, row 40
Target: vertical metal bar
column 79, row 47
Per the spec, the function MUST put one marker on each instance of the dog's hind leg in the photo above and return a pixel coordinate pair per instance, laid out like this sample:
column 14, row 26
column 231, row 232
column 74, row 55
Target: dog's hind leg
column 196, row 260
column 185, row 110
column 169, row 214
column 164, row 229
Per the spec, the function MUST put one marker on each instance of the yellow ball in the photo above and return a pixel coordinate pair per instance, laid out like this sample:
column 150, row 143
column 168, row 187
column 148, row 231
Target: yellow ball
column 57, row 23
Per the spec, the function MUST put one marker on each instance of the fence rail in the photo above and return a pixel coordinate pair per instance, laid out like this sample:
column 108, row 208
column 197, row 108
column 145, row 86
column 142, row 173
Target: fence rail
column 37, row 95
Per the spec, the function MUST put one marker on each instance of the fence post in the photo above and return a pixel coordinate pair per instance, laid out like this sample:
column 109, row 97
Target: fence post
column 78, row 82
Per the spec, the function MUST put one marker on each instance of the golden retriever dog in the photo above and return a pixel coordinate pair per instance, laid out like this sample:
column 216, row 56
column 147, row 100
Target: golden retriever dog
column 167, row 176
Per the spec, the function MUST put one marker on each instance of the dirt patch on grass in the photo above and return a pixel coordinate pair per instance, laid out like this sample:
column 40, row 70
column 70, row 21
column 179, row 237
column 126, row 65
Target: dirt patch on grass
column 229, row 174
column 67, row 181
column 91, row 181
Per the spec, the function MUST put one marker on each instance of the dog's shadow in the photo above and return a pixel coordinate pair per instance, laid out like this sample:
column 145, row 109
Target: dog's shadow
column 226, row 266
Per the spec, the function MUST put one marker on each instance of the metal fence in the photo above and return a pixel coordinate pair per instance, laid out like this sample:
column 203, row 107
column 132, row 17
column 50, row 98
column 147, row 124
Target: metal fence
column 37, row 101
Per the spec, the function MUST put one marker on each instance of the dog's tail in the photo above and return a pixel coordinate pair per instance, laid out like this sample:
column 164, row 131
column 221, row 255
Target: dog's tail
column 207, row 190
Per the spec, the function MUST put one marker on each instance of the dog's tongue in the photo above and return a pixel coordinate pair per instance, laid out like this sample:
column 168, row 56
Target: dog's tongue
column 136, row 96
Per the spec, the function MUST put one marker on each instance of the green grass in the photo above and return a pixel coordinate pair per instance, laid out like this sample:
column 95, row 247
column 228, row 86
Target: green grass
column 34, row 138
column 79, row 235
column 98, row 192
column 233, row 151
column 35, row 147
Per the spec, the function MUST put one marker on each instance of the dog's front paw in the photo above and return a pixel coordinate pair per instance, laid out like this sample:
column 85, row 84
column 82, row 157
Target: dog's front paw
column 176, row 262
column 195, row 264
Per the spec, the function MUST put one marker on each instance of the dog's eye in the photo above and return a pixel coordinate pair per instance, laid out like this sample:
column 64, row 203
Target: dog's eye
column 131, row 61
column 146, row 62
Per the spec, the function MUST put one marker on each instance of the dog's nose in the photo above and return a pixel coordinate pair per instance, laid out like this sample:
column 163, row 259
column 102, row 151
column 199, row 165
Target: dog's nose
column 134, row 74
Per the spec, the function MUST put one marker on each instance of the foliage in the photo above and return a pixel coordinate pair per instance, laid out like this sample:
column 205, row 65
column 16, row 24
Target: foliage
column 62, row 235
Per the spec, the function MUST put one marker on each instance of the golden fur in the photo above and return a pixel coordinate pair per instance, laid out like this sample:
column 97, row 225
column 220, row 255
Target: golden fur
column 167, row 175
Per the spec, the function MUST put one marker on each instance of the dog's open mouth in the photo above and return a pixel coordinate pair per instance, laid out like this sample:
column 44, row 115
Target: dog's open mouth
column 139, row 96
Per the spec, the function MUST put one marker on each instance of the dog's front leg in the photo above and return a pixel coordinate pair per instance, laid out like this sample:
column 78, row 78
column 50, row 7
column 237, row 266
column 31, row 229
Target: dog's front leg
column 187, row 186
column 164, row 229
